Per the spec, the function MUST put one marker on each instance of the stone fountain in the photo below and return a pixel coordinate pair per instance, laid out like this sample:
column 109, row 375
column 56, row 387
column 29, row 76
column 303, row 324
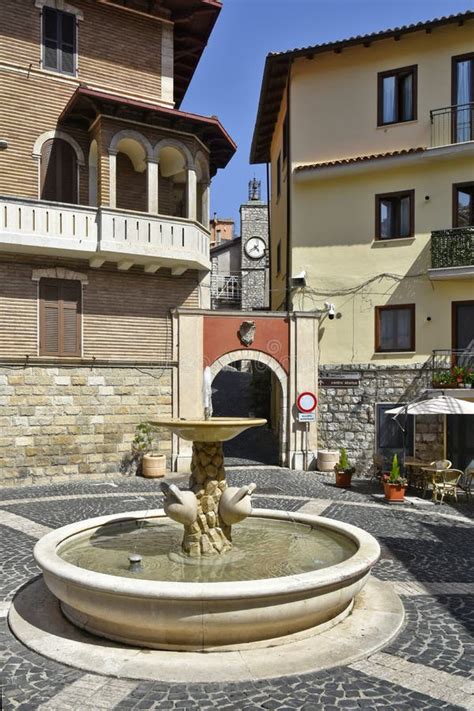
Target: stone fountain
column 124, row 578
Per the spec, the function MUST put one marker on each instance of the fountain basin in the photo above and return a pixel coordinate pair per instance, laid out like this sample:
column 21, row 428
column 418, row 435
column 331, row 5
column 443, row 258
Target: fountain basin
column 209, row 615
column 216, row 429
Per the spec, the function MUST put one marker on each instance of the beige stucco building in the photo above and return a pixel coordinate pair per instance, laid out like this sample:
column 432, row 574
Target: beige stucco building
column 371, row 147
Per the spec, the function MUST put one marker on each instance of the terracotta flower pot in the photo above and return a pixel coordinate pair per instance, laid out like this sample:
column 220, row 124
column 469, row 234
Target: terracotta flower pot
column 343, row 478
column 153, row 465
column 394, row 492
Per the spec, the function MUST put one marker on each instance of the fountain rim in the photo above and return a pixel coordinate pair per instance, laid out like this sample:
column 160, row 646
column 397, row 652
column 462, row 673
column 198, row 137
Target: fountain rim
column 185, row 422
column 47, row 557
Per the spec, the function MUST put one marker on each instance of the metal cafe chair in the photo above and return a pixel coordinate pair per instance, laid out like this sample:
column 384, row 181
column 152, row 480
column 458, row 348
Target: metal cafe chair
column 445, row 483
column 466, row 482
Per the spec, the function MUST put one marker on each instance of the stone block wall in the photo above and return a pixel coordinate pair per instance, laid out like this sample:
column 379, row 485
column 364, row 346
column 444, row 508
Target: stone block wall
column 347, row 415
column 59, row 422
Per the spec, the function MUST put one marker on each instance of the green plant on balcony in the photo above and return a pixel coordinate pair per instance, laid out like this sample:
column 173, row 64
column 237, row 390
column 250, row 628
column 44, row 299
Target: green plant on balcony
column 443, row 379
column 460, row 375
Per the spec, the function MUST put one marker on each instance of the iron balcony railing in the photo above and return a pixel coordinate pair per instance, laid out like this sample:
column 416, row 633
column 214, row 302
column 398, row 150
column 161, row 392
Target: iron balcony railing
column 226, row 288
column 452, row 124
column 453, row 368
column 452, row 248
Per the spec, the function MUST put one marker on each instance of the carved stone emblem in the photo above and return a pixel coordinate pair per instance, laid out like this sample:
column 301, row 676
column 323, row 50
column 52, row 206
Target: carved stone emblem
column 247, row 332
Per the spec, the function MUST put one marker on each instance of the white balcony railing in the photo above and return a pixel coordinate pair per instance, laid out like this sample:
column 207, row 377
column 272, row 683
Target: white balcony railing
column 38, row 227
column 226, row 288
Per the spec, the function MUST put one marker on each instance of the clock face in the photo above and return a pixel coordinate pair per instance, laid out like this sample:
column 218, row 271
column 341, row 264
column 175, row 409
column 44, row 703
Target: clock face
column 255, row 248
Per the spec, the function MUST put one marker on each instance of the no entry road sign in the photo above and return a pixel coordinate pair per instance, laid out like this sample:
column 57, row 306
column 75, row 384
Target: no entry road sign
column 306, row 402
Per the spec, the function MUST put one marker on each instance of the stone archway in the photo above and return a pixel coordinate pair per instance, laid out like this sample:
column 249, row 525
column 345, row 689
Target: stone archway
column 280, row 374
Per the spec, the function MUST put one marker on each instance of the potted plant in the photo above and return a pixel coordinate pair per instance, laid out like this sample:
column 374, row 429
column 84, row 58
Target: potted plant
column 394, row 483
column 151, row 464
column 442, row 379
column 343, row 471
column 460, row 373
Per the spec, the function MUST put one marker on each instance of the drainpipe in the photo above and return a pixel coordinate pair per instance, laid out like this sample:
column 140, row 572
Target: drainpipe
column 288, row 194
column 270, row 281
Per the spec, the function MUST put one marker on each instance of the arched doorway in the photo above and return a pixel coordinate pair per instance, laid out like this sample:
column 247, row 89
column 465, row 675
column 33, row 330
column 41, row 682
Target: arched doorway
column 254, row 386
column 58, row 177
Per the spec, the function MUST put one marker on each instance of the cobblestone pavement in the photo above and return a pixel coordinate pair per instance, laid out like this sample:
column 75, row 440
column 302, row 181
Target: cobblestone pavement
column 427, row 554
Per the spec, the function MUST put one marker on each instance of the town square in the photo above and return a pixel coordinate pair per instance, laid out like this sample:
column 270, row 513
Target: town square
column 236, row 355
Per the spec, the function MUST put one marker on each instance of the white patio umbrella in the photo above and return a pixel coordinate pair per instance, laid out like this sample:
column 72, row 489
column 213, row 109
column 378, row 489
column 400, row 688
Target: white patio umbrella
column 442, row 405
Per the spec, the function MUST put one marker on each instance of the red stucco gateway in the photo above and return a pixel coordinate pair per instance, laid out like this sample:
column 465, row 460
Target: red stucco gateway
column 221, row 336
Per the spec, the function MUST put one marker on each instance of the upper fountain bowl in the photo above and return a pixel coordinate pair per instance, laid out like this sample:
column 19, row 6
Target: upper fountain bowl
column 216, row 429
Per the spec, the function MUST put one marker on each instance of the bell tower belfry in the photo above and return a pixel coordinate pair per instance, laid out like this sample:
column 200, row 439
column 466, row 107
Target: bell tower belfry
column 254, row 246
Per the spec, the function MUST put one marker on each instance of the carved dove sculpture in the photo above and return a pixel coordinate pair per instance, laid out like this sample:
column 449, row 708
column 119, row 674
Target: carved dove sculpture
column 235, row 504
column 181, row 506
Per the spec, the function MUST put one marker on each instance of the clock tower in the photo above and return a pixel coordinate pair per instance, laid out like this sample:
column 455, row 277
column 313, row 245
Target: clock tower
column 254, row 246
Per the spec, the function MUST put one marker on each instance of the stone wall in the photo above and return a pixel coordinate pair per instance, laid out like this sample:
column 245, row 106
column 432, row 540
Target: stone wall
column 347, row 415
column 61, row 422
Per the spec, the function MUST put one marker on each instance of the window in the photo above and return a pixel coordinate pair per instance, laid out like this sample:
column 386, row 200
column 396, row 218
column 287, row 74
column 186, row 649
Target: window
column 59, row 41
column 58, row 175
column 278, row 175
column 394, row 215
column 391, row 434
column 463, row 205
column 395, row 328
column 397, row 95
column 60, row 317
column 463, row 98
column 278, row 260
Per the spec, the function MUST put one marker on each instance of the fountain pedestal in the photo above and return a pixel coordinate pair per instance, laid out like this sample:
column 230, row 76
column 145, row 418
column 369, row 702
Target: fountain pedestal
column 208, row 535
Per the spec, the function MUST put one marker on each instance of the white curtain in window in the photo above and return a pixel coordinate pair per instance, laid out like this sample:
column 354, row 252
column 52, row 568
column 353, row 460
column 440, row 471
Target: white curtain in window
column 386, row 219
column 404, row 217
column 407, row 95
column 389, row 102
column 403, row 328
column 463, row 115
column 387, row 323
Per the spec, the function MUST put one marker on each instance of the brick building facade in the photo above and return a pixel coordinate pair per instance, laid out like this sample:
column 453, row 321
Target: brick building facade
column 104, row 223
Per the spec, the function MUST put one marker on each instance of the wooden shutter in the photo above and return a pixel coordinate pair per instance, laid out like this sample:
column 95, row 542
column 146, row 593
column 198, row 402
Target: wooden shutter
column 50, row 38
column 59, row 40
column 70, row 325
column 58, row 175
column 49, row 318
column 60, row 317
column 67, row 42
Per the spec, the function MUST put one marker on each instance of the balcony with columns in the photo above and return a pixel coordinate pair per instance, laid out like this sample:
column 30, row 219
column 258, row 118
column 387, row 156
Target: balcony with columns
column 144, row 179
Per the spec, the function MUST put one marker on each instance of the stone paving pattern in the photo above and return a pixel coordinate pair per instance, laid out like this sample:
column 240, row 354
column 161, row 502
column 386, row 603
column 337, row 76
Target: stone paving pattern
column 419, row 544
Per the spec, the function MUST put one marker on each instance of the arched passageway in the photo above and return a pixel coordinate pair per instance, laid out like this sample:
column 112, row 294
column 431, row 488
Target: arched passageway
column 254, row 386
column 244, row 389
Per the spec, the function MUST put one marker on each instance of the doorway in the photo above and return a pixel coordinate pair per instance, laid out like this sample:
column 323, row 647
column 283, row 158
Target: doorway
column 460, row 435
column 244, row 389
column 463, row 333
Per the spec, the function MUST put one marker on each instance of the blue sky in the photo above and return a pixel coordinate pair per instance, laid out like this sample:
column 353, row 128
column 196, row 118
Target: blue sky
column 227, row 80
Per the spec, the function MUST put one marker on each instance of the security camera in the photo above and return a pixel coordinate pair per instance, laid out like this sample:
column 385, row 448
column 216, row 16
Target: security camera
column 299, row 280
column 331, row 309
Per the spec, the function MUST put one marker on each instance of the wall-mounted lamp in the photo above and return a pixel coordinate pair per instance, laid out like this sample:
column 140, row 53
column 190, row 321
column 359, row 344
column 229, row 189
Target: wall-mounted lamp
column 3, row 144
column 299, row 281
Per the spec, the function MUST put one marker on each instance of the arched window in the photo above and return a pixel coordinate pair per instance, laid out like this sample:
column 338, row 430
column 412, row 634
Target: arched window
column 58, row 177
